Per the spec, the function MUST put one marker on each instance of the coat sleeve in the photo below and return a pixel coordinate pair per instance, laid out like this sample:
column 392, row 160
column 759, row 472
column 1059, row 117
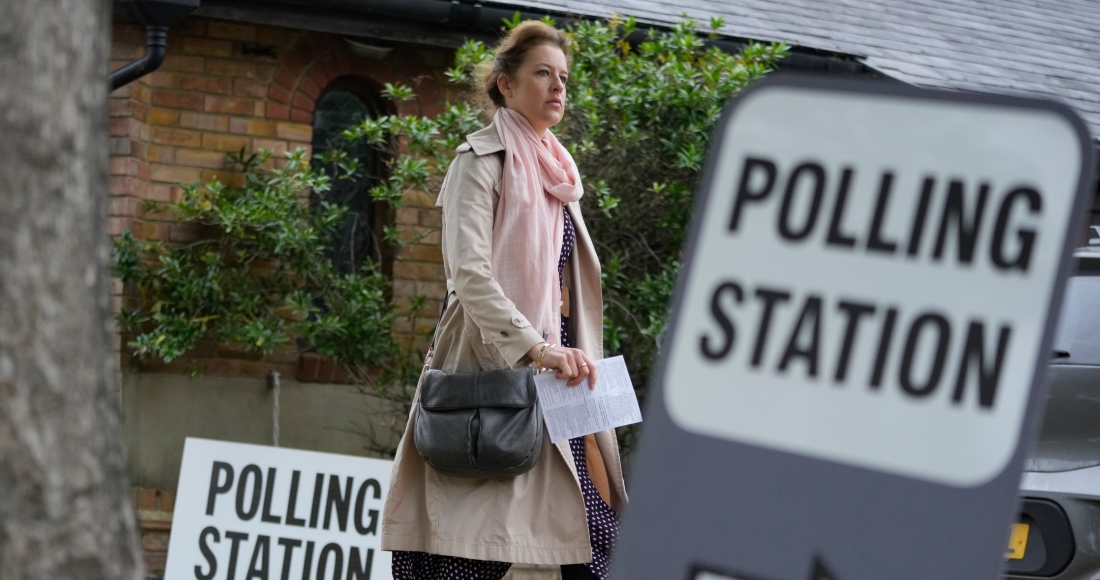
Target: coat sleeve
column 468, row 212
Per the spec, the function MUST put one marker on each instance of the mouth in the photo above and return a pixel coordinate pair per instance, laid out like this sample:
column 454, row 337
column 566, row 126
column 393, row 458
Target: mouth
column 554, row 102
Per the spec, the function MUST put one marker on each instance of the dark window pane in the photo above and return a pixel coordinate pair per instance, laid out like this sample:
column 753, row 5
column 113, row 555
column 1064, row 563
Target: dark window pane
column 359, row 237
column 1078, row 332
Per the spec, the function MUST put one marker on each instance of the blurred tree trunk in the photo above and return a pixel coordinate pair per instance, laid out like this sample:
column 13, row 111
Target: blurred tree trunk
column 65, row 508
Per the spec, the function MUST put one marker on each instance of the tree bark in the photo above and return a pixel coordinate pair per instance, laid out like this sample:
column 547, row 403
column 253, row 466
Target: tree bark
column 65, row 509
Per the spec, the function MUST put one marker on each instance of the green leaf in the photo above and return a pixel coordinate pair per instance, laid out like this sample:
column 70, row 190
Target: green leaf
column 398, row 92
column 513, row 22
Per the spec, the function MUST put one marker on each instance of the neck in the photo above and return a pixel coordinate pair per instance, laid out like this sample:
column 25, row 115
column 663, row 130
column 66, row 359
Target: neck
column 540, row 130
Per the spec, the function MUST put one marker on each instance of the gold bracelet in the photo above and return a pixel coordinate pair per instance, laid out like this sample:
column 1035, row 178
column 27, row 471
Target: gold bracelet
column 542, row 351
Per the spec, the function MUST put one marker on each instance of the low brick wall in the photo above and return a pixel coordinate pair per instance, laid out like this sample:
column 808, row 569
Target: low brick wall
column 154, row 511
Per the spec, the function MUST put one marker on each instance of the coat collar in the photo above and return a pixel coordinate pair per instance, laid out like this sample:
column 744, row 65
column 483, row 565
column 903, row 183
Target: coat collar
column 485, row 141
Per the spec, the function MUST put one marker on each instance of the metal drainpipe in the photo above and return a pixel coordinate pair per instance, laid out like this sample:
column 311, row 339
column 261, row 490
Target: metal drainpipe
column 156, row 47
column 274, row 384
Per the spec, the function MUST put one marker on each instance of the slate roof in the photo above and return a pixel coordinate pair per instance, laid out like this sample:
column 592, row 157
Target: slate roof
column 1046, row 48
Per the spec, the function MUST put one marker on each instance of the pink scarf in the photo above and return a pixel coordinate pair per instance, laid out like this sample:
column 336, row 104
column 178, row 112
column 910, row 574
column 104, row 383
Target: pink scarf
column 539, row 177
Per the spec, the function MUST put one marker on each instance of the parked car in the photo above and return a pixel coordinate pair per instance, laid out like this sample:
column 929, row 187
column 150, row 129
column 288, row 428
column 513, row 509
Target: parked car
column 1057, row 534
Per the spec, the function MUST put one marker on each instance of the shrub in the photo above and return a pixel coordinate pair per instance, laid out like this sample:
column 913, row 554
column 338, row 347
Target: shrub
column 259, row 275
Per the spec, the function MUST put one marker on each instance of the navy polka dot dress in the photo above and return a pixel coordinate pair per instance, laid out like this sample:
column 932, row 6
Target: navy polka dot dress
column 603, row 525
column 423, row 566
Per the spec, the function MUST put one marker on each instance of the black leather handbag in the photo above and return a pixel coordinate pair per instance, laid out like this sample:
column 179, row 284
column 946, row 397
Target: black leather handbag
column 482, row 425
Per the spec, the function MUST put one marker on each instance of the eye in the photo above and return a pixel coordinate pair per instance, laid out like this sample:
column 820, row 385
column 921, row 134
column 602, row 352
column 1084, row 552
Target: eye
column 543, row 72
column 564, row 79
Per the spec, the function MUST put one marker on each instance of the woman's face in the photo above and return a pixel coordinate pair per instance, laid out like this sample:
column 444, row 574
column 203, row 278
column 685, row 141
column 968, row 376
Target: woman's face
column 537, row 90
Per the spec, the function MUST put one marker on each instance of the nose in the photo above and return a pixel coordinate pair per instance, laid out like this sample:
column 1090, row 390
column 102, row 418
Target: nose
column 558, row 85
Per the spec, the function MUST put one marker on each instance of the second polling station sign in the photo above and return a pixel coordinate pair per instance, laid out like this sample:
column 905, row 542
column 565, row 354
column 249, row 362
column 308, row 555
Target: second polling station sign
column 267, row 513
column 853, row 367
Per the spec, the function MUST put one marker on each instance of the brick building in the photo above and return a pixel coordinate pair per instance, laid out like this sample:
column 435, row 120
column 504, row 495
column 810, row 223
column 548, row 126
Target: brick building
column 227, row 86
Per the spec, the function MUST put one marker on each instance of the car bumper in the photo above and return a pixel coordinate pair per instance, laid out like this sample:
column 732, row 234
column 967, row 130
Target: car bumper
column 1064, row 511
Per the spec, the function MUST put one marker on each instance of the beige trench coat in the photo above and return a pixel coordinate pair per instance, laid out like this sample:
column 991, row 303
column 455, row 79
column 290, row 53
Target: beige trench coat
column 537, row 517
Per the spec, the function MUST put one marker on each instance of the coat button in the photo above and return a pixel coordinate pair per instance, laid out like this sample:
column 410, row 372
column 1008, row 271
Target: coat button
column 517, row 321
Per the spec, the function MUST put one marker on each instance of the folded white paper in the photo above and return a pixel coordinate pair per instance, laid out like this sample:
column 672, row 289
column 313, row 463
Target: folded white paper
column 577, row 411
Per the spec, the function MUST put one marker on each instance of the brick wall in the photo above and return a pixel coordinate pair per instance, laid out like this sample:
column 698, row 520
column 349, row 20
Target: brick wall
column 154, row 508
column 418, row 268
column 226, row 86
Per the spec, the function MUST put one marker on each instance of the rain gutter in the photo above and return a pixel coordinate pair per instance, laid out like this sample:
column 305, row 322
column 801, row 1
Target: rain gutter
column 157, row 15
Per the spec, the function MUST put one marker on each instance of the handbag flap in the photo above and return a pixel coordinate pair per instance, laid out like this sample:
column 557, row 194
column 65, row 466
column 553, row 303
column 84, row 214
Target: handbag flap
column 503, row 388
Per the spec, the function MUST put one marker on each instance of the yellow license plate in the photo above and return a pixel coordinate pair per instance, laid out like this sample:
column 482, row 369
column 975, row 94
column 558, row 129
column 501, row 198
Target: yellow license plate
column 1017, row 541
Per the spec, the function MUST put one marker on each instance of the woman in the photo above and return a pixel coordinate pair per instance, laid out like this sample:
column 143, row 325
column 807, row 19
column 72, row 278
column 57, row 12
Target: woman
column 522, row 280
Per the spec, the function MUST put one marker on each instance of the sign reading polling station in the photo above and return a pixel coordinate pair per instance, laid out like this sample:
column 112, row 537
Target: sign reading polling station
column 250, row 511
column 858, row 334
column 860, row 292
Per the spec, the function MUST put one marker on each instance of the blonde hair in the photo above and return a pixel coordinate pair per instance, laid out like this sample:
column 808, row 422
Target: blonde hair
column 513, row 51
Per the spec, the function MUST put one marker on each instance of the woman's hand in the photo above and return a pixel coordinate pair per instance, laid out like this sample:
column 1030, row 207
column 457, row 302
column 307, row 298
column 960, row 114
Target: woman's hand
column 571, row 363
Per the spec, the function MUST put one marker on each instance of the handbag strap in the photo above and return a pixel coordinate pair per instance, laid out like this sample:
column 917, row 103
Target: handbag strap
column 435, row 334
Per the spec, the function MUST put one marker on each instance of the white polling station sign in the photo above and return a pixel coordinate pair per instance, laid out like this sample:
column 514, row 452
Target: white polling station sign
column 858, row 337
column 255, row 512
column 857, row 291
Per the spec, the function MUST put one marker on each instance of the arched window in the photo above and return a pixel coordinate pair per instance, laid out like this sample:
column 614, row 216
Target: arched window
column 346, row 102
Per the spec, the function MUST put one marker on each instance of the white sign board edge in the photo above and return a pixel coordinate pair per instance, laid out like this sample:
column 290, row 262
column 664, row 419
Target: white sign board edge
column 314, row 533
column 887, row 431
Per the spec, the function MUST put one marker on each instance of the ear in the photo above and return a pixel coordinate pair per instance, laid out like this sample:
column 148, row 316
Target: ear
column 504, row 86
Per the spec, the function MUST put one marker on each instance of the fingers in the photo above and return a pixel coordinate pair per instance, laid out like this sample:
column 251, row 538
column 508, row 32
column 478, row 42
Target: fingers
column 591, row 368
column 583, row 369
column 574, row 365
column 563, row 361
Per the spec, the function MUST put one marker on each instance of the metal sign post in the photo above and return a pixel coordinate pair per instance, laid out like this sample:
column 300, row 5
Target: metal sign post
column 854, row 362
